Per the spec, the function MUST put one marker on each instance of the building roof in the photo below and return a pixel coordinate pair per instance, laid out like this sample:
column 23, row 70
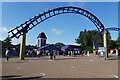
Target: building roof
column 70, row 47
column 75, row 46
column 42, row 35
column 67, row 47
column 48, row 47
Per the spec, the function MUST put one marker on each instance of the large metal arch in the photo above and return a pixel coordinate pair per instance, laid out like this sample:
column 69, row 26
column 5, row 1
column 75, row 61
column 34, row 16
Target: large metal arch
column 32, row 22
column 98, row 34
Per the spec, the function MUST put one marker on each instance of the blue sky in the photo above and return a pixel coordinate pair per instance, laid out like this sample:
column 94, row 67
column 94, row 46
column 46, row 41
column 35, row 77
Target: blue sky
column 62, row 28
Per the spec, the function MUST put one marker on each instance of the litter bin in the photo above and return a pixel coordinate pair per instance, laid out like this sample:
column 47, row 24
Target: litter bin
column 95, row 51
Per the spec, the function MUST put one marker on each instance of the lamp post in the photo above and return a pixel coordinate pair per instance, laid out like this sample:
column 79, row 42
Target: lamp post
column 105, row 43
column 22, row 46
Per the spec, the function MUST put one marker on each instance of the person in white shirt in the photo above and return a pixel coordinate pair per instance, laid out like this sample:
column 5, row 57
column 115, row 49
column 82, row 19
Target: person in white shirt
column 54, row 54
column 88, row 54
column 7, row 53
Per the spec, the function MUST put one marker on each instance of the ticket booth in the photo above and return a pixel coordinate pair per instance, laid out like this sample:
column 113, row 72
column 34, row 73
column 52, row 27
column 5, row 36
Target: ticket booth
column 101, row 52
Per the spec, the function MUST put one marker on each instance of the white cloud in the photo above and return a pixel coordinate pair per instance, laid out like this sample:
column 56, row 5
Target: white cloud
column 56, row 31
column 4, row 34
column 15, row 41
column 3, row 29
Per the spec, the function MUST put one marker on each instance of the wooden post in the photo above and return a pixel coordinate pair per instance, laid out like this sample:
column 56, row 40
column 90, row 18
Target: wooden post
column 105, row 43
column 22, row 46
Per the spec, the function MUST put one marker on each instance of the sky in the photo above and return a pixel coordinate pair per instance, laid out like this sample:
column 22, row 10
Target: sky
column 61, row 28
column 60, row 0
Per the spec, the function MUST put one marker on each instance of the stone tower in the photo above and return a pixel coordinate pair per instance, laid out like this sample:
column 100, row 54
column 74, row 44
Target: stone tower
column 41, row 39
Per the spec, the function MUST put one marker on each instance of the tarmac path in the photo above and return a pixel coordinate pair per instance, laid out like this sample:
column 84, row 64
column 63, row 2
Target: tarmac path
column 62, row 67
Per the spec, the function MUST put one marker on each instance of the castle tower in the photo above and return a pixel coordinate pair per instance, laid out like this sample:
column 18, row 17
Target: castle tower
column 41, row 39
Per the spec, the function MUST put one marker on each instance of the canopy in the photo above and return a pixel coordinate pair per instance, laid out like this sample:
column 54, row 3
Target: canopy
column 66, row 48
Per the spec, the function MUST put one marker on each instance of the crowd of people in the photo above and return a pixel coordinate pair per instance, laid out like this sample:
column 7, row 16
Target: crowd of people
column 37, row 53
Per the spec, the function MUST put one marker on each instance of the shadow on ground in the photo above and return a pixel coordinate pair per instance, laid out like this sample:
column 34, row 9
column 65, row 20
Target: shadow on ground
column 67, row 58
column 114, row 58
column 19, row 77
column 47, row 58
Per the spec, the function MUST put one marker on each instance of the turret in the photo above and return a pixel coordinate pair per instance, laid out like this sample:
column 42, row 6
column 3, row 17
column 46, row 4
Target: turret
column 41, row 39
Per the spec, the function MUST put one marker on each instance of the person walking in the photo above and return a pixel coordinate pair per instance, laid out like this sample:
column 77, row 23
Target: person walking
column 54, row 54
column 88, row 54
column 51, row 55
column 38, row 53
column 7, row 53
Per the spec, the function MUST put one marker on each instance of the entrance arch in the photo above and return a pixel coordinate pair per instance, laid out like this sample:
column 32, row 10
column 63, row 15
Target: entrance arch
column 98, row 34
column 32, row 22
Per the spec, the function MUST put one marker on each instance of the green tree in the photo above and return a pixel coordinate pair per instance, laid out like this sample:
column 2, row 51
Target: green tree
column 80, row 39
column 113, row 44
column 109, row 40
column 118, row 42
column 118, row 39
column 0, row 47
column 86, row 39
column 7, row 42
column 59, row 44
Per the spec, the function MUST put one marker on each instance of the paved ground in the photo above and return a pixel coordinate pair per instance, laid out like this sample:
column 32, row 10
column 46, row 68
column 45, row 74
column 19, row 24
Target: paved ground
column 62, row 67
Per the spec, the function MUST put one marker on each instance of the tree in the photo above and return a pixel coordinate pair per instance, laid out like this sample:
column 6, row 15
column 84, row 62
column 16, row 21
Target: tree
column 0, row 46
column 118, row 42
column 7, row 42
column 118, row 39
column 113, row 44
column 82, row 38
column 79, row 40
column 108, row 40
column 59, row 44
column 86, row 39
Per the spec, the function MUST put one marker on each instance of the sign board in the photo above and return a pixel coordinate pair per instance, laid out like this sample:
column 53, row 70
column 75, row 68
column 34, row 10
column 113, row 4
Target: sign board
column 101, row 51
